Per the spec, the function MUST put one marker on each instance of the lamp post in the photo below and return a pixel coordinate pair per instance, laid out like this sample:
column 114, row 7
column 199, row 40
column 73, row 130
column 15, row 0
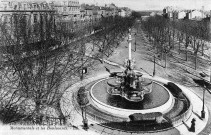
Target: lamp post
column 206, row 85
column 203, row 112
column 135, row 42
column 154, row 67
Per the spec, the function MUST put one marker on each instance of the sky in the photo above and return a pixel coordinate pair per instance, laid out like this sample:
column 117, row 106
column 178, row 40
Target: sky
column 154, row 4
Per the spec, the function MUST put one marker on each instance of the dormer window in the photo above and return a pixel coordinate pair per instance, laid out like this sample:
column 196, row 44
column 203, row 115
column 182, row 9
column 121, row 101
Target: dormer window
column 15, row 7
column 5, row 7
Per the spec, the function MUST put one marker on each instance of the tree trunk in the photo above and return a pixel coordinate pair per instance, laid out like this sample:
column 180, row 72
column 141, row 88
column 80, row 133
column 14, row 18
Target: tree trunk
column 61, row 115
column 38, row 117
column 179, row 46
column 161, row 51
column 93, row 47
column 165, row 59
column 195, row 61
column 186, row 54
column 169, row 39
column 202, row 49
column 186, row 47
column 173, row 39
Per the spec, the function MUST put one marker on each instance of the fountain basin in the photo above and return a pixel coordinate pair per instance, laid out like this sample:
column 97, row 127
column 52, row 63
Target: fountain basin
column 159, row 100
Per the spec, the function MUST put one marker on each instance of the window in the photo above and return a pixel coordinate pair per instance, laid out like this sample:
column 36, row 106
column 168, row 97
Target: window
column 5, row 18
column 35, row 18
column 64, row 3
column 24, row 6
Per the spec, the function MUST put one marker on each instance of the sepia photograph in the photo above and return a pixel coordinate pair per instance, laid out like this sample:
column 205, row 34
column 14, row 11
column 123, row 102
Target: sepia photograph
column 105, row 67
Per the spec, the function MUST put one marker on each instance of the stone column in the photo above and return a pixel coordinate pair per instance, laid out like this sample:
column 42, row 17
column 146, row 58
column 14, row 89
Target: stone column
column 130, row 42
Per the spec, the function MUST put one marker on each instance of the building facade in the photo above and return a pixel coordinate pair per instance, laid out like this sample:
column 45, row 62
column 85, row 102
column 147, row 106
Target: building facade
column 195, row 14
column 31, row 9
column 67, row 9
column 173, row 12
column 181, row 15
column 24, row 15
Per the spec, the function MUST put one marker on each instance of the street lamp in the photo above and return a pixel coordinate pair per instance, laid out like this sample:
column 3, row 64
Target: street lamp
column 206, row 86
column 154, row 67
column 135, row 41
column 203, row 112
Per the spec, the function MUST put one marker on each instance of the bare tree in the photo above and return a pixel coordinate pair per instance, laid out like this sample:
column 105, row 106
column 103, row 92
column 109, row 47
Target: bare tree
column 38, row 62
column 112, row 31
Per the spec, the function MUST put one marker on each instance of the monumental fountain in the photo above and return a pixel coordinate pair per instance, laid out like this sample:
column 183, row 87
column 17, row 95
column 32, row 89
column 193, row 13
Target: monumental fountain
column 129, row 92
column 128, row 84
column 130, row 95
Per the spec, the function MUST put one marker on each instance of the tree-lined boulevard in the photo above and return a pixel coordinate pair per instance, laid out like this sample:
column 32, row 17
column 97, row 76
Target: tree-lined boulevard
column 40, row 62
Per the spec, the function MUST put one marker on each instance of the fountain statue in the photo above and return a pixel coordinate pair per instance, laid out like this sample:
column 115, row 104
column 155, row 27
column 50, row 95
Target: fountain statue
column 129, row 84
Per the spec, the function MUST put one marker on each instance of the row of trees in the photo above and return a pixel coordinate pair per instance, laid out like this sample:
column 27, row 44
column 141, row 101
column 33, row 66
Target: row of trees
column 113, row 31
column 39, row 59
column 165, row 33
